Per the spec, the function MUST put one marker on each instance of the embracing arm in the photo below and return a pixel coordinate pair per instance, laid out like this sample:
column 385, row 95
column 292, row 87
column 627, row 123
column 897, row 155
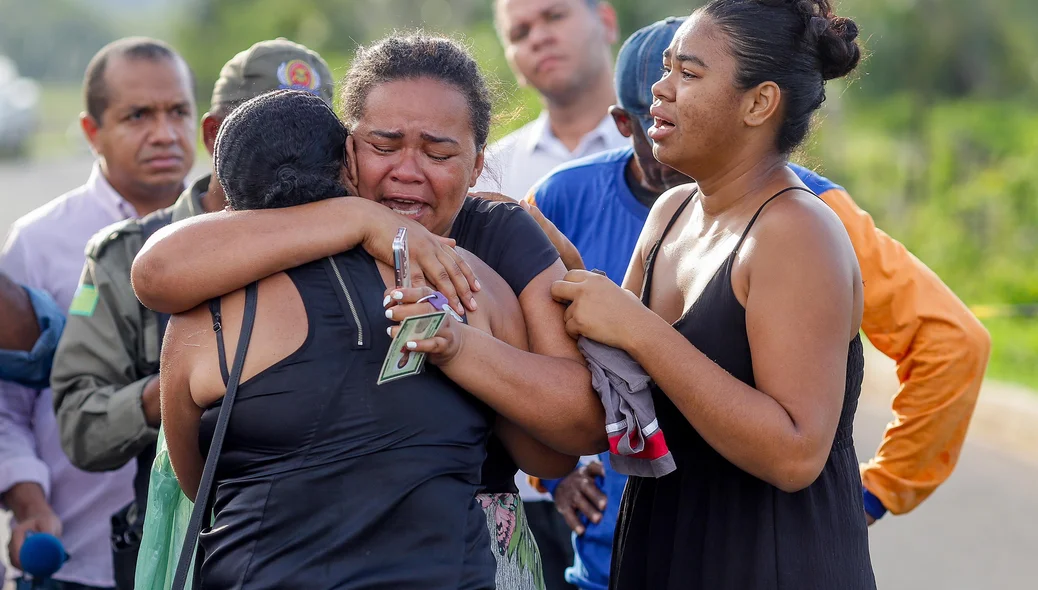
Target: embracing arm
column 181, row 416
column 210, row 255
column 508, row 325
column 530, row 455
column 547, row 392
column 941, row 350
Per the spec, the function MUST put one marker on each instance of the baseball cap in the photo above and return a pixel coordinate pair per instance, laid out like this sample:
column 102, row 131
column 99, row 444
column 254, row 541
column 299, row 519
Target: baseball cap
column 273, row 65
column 639, row 65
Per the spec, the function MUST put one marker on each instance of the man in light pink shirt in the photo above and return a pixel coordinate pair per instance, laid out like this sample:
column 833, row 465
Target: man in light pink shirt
column 140, row 122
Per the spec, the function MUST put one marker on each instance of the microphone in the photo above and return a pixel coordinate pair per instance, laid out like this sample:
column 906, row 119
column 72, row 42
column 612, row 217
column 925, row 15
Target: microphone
column 42, row 555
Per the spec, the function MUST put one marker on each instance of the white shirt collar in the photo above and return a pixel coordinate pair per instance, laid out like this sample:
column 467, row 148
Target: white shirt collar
column 541, row 137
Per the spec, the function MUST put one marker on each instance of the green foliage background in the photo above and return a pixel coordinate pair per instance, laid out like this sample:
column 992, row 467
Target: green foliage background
column 936, row 135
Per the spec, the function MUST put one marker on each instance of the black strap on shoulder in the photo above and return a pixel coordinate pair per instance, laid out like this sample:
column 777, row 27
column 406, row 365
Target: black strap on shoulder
column 214, row 311
column 760, row 209
column 203, row 500
column 650, row 260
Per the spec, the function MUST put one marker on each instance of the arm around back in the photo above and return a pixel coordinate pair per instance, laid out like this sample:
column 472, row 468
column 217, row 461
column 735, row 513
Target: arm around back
column 190, row 262
column 941, row 351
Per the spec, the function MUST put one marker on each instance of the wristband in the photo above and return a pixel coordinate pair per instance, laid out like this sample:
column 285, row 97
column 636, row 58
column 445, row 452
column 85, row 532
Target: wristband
column 873, row 507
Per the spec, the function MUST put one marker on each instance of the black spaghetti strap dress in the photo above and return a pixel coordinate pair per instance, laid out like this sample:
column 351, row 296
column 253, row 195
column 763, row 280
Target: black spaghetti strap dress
column 710, row 525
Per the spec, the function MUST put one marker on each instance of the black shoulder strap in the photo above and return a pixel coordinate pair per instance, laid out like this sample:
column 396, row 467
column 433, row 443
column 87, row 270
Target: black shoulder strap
column 203, row 500
column 214, row 311
column 760, row 209
column 650, row 260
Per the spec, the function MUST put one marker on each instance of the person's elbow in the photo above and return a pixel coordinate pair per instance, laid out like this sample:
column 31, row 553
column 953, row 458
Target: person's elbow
column 796, row 477
column 146, row 277
column 797, row 469
column 976, row 347
column 76, row 441
column 588, row 434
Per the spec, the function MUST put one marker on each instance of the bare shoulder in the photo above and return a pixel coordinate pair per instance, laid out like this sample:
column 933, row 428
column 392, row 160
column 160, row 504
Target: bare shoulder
column 803, row 222
column 188, row 341
column 499, row 310
column 665, row 207
column 188, row 329
column 280, row 328
column 495, row 291
column 798, row 230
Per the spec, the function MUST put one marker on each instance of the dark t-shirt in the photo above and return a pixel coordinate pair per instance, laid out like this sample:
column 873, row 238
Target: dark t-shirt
column 506, row 238
column 509, row 241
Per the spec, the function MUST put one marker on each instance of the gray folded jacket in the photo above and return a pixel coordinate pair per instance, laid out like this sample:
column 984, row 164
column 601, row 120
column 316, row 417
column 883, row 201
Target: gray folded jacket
column 636, row 443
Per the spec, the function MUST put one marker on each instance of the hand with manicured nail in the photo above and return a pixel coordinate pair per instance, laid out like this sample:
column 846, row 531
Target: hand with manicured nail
column 441, row 348
column 434, row 260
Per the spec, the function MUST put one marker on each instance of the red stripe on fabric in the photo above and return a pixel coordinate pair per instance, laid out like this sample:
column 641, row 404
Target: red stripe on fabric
column 655, row 446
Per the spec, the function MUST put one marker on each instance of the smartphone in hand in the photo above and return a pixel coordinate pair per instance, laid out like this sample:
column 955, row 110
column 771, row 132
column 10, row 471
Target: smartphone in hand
column 400, row 261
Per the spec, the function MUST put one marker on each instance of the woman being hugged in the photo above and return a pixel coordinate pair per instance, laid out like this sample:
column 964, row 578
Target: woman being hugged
column 419, row 112
column 751, row 303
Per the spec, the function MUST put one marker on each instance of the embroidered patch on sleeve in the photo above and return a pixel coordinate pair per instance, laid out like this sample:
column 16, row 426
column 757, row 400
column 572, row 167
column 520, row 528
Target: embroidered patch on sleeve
column 84, row 302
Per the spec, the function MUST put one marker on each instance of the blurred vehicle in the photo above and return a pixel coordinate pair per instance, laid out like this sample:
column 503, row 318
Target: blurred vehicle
column 19, row 109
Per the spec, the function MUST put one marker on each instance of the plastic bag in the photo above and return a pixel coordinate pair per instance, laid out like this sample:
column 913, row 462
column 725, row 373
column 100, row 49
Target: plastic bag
column 165, row 524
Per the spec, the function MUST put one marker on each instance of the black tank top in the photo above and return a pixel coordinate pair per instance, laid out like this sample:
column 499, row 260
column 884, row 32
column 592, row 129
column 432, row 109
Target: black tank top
column 327, row 480
column 710, row 525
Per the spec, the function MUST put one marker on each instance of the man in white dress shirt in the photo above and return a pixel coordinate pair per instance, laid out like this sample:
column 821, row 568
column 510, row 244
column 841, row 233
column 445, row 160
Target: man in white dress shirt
column 561, row 48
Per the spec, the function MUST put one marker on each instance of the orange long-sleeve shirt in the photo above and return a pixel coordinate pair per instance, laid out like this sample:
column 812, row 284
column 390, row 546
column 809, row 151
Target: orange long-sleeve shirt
column 941, row 351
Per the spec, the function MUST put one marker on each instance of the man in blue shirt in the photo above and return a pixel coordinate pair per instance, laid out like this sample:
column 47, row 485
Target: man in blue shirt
column 30, row 327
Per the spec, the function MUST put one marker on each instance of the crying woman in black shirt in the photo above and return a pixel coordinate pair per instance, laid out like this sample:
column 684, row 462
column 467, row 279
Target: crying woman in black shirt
column 389, row 470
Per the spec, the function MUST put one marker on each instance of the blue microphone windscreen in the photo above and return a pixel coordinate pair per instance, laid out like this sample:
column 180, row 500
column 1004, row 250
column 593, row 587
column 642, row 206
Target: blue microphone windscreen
column 42, row 555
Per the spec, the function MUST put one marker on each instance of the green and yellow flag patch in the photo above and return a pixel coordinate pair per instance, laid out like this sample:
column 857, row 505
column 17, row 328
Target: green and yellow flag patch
column 84, row 302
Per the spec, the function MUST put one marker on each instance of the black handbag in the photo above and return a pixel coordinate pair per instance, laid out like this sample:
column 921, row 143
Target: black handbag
column 203, row 500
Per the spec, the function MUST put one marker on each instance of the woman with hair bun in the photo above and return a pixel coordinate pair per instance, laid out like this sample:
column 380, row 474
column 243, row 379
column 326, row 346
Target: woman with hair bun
column 751, row 304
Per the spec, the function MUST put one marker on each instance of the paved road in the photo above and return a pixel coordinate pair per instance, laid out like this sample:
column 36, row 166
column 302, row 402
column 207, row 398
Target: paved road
column 978, row 532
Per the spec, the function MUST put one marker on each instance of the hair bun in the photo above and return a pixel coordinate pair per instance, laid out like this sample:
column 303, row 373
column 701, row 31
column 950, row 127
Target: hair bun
column 834, row 36
column 286, row 181
column 838, row 49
